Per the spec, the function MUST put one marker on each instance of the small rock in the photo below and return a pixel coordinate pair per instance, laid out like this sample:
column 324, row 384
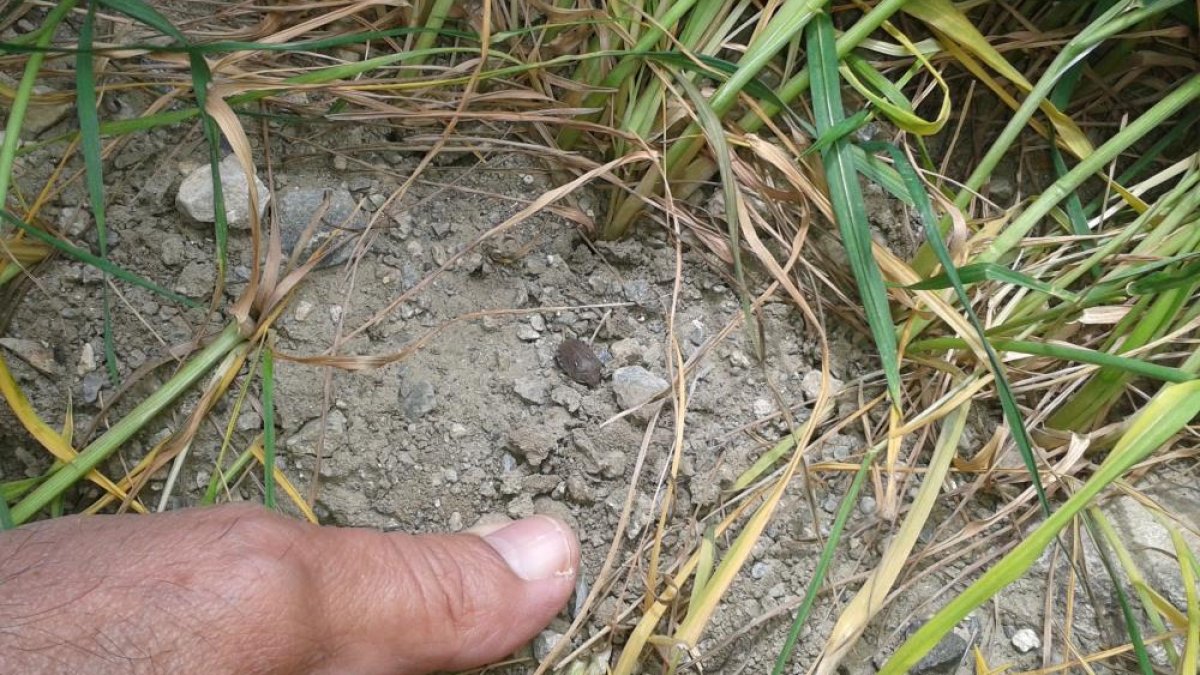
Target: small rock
column 87, row 360
column 248, row 421
column 40, row 116
column 172, row 251
column 640, row 293
column 457, row 431
column 455, row 522
column 867, row 506
column 1026, row 640
column 526, row 333
column 545, row 643
column 627, row 352
column 944, row 656
column 303, row 309
column 521, row 507
column 417, row 398
column 762, row 407
column 335, row 314
column 34, row 353
column 341, row 219
column 531, row 390
column 537, row 322
column 532, row 443
column 811, row 384
column 92, row 383
column 579, row 492
column 72, row 220
column 634, row 385
column 759, row 569
column 195, row 196
column 567, row 398
column 340, row 163
column 195, row 281
column 307, row 435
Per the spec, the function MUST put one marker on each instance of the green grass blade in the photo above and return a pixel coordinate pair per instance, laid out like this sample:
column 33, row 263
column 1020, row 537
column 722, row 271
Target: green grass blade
column 20, row 103
column 1008, row 403
column 6, row 521
column 846, row 198
column 715, row 133
column 1131, row 625
column 101, row 264
column 849, row 501
column 109, row 442
column 89, row 140
column 1168, row 412
column 1063, row 352
column 268, row 401
column 977, row 272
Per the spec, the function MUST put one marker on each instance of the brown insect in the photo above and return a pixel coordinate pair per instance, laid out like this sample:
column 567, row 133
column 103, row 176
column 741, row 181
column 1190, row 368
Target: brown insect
column 579, row 362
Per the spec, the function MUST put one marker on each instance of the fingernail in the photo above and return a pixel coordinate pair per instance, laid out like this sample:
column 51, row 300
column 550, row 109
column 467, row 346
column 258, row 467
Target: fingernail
column 535, row 548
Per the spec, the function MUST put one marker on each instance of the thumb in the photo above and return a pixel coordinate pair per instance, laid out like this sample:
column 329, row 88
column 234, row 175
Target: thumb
column 394, row 602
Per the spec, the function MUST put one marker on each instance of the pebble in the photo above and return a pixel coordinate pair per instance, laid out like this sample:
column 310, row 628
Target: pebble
column 627, row 352
column 759, row 569
column 531, row 390
column 296, row 207
column 87, row 360
column 537, row 322
column 306, row 436
column 303, row 309
column 810, row 384
column 455, row 523
column 527, row 333
column 457, row 431
column 32, row 352
column 545, row 643
column 41, row 116
column 92, row 383
column 195, row 196
column 417, row 398
column 567, row 398
column 634, row 385
column 867, row 506
column 944, row 656
column 762, row 407
column 1026, row 640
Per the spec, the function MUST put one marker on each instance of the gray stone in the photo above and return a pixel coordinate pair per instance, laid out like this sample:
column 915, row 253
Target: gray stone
column 296, row 206
column 532, row 443
column 1149, row 543
column 92, row 383
column 567, row 398
column 172, row 250
column 545, row 643
column 417, row 397
column 527, row 333
column 634, row 385
column 1026, row 640
column 944, row 656
column 195, row 281
column 87, row 359
column 195, row 196
column 40, row 116
column 307, row 435
column 531, row 390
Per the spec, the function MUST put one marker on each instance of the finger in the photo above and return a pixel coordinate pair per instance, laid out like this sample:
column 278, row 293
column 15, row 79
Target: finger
column 401, row 603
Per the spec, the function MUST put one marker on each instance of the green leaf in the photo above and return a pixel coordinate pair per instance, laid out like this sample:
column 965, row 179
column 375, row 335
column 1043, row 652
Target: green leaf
column 977, row 272
column 97, row 262
column 847, row 200
column 89, row 138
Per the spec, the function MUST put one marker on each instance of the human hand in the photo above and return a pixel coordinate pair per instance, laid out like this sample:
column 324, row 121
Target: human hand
column 240, row 589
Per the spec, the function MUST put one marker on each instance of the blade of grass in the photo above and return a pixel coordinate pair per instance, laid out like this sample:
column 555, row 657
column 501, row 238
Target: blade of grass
column 846, row 198
column 20, row 102
column 1064, row 352
column 268, row 403
column 845, row 508
column 101, row 448
column 1153, row 427
column 89, row 135
column 95, row 261
column 715, row 133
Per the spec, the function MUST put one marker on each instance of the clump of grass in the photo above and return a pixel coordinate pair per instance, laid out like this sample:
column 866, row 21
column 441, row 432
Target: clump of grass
column 1070, row 310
